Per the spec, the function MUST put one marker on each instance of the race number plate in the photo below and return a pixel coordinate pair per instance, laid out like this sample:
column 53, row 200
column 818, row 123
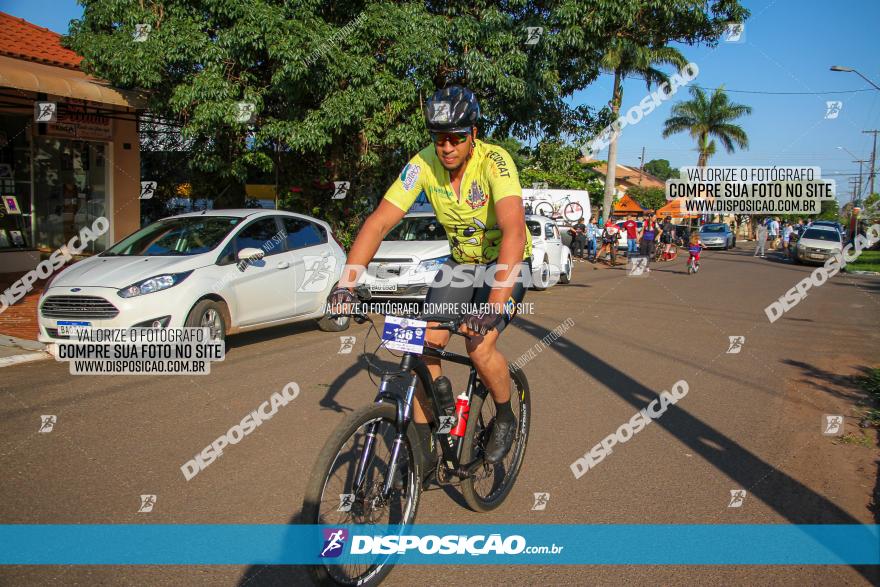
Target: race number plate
column 403, row 334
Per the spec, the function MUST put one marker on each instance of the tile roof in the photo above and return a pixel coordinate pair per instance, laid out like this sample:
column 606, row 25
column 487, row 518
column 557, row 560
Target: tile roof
column 23, row 40
column 628, row 176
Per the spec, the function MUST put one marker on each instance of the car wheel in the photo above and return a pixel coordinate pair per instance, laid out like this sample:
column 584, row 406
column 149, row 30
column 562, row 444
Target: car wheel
column 338, row 324
column 541, row 276
column 209, row 314
column 567, row 269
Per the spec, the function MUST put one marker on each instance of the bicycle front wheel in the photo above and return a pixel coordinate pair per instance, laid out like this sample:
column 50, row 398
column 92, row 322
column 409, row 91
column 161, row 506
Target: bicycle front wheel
column 331, row 499
column 490, row 485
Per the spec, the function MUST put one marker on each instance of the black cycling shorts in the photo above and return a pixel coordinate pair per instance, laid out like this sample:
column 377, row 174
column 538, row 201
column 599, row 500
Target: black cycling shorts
column 449, row 293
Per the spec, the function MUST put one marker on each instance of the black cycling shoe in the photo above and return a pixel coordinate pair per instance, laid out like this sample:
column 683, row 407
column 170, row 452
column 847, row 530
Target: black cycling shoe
column 503, row 432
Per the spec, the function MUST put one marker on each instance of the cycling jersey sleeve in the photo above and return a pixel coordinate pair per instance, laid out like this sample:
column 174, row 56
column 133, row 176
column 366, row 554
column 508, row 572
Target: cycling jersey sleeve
column 408, row 185
column 503, row 177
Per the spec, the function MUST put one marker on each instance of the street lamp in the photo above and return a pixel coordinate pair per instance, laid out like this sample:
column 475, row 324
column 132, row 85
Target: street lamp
column 851, row 70
column 848, row 151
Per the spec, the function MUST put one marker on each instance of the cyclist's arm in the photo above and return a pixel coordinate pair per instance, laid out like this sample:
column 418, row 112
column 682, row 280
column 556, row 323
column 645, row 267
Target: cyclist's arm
column 370, row 236
column 511, row 219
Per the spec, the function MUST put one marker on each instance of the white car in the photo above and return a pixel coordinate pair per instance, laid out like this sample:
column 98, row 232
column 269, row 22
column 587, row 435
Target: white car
column 551, row 259
column 229, row 270
column 817, row 244
column 413, row 251
column 408, row 258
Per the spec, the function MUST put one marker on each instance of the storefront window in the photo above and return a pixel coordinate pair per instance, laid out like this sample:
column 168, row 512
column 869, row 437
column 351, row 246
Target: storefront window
column 15, row 183
column 70, row 190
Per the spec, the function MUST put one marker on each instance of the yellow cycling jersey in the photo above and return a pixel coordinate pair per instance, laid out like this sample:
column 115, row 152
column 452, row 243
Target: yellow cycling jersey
column 469, row 218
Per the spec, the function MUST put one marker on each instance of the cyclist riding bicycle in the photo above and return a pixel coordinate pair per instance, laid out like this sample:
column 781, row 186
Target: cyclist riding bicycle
column 695, row 246
column 474, row 189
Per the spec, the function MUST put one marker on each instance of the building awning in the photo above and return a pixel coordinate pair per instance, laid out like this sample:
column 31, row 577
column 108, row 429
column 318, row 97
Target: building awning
column 675, row 209
column 58, row 81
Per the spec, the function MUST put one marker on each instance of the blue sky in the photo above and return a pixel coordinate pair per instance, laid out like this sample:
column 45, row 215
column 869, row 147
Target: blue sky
column 788, row 47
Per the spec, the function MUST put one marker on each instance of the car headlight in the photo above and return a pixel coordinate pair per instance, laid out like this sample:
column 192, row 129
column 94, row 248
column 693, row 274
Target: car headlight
column 431, row 264
column 152, row 284
column 801, row 247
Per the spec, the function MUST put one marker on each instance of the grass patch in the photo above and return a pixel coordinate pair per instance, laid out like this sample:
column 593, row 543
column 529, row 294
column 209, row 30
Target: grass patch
column 867, row 261
column 871, row 383
column 856, row 439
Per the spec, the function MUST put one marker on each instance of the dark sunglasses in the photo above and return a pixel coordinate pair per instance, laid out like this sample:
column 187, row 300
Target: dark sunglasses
column 454, row 138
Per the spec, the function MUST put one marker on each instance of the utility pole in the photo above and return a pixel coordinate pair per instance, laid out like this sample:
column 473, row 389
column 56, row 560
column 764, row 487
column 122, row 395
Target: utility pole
column 872, row 170
column 853, row 183
column 860, row 175
column 641, row 166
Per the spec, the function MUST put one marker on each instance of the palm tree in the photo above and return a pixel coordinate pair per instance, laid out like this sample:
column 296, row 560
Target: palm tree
column 708, row 118
column 627, row 58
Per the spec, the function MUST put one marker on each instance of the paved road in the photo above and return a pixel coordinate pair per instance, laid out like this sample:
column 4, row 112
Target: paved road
column 750, row 421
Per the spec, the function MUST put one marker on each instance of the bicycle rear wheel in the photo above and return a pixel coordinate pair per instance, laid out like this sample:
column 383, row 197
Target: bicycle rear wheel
column 490, row 485
column 333, row 476
column 544, row 209
column 573, row 211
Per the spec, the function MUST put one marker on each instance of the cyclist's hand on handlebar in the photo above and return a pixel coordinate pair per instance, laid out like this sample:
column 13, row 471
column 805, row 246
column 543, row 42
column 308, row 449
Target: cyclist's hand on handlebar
column 341, row 301
column 478, row 324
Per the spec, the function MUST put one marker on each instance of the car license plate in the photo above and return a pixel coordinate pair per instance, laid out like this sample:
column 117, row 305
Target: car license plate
column 403, row 334
column 66, row 328
column 816, row 256
column 383, row 286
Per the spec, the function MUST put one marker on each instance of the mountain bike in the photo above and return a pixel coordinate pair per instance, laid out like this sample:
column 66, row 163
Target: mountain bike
column 661, row 254
column 564, row 208
column 367, row 472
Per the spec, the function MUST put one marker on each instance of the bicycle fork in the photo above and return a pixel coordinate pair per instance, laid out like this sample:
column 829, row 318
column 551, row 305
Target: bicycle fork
column 404, row 413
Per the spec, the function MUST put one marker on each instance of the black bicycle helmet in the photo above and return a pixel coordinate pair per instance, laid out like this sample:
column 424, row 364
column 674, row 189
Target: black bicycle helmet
column 452, row 109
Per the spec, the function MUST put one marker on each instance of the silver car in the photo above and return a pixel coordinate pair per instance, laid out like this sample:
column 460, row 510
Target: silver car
column 717, row 236
column 817, row 244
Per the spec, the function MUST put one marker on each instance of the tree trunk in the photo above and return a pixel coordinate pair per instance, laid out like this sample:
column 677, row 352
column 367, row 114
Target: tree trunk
column 611, row 171
column 703, row 142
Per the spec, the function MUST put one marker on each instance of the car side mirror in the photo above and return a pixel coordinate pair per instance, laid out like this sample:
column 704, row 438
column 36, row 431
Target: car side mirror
column 250, row 253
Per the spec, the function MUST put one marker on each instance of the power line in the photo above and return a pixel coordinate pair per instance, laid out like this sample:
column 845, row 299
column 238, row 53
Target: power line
column 788, row 93
column 762, row 91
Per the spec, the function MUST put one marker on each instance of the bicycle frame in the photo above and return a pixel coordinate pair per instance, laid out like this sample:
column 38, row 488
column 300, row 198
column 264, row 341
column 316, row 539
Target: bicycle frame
column 451, row 449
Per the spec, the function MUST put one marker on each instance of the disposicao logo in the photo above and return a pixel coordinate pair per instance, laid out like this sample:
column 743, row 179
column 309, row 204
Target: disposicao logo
column 334, row 542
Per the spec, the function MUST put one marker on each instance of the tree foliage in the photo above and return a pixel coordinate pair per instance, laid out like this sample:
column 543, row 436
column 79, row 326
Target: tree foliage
column 706, row 118
column 338, row 87
column 661, row 169
column 649, row 198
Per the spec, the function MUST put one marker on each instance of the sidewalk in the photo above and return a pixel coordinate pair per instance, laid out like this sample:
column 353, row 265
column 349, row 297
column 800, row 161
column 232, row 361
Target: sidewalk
column 15, row 350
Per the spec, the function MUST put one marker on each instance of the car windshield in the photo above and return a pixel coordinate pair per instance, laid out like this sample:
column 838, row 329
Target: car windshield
column 534, row 227
column 714, row 228
column 182, row 236
column 820, row 234
column 417, row 228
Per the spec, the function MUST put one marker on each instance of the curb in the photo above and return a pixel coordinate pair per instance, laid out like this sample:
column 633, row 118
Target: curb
column 17, row 359
column 21, row 343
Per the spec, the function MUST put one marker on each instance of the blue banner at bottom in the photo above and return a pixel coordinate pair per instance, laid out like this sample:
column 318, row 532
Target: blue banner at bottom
column 159, row 544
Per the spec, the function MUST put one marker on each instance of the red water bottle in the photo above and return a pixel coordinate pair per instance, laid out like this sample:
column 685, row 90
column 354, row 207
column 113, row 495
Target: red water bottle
column 462, row 407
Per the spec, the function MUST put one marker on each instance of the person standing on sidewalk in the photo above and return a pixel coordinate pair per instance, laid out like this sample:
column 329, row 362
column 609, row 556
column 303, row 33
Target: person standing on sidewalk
column 579, row 238
column 786, row 238
column 761, row 238
column 648, row 237
column 632, row 236
column 773, row 232
column 594, row 232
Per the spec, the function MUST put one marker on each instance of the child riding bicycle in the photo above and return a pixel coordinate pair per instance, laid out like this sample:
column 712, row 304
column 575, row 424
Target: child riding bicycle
column 694, row 248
